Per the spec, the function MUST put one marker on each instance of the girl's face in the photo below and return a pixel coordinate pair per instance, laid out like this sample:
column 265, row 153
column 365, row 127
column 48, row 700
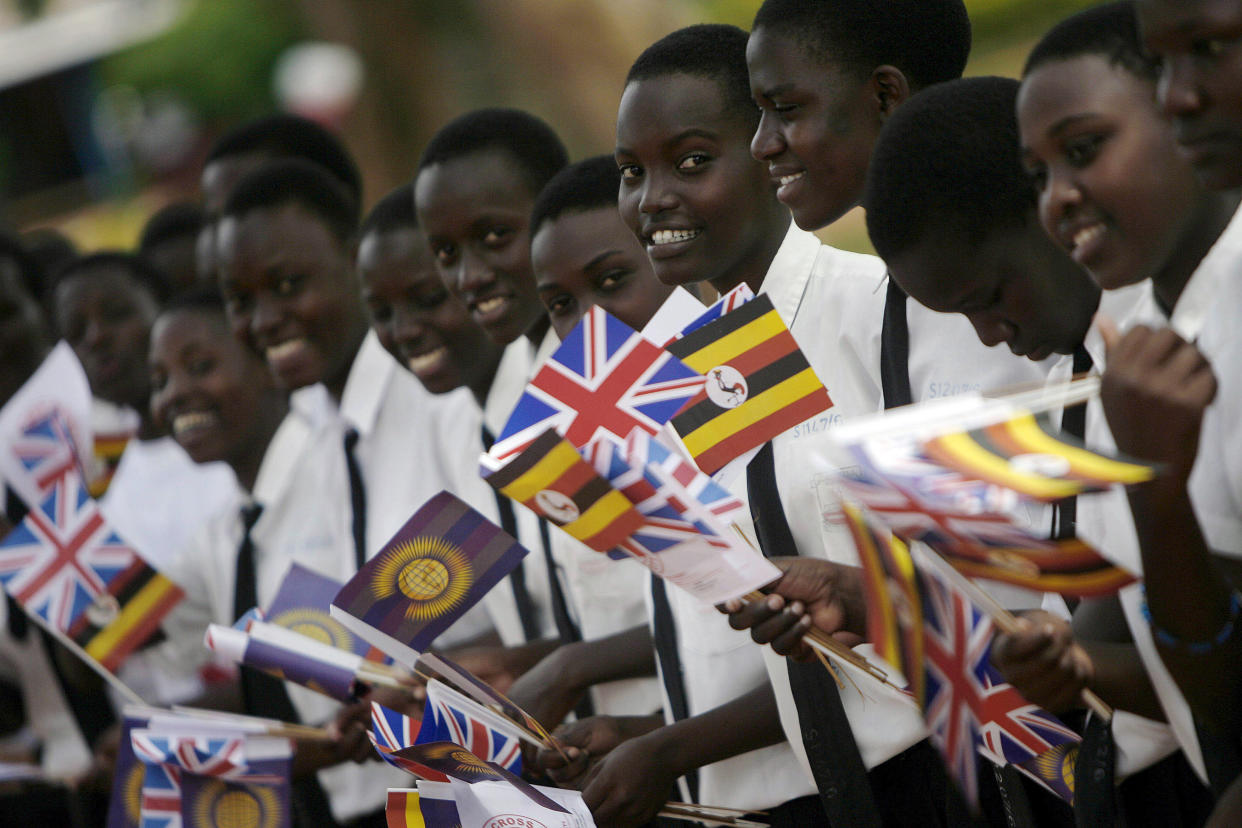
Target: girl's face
column 291, row 294
column 690, row 190
column 475, row 211
column 207, row 390
column 1114, row 192
column 417, row 320
column 589, row 257
column 106, row 317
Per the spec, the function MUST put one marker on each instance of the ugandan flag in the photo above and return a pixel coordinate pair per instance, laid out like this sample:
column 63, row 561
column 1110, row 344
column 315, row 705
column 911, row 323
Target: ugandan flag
column 758, row 384
column 891, row 593
column 438, row 565
column 1067, row 567
column 1025, row 455
column 402, row 809
column 127, row 616
column 552, row 479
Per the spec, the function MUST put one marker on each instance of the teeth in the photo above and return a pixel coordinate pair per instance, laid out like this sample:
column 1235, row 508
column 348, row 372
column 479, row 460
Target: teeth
column 670, row 236
column 423, row 361
column 191, row 420
column 1088, row 234
column 489, row 305
column 787, row 179
column 284, row 349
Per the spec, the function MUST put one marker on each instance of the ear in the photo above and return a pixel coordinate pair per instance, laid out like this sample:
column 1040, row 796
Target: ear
column 890, row 87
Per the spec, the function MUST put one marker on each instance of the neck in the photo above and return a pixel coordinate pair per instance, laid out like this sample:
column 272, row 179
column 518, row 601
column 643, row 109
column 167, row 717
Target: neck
column 481, row 386
column 357, row 332
column 1204, row 227
column 246, row 464
column 754, row 267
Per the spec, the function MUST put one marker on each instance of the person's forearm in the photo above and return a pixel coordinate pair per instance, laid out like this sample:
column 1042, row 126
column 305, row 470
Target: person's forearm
column 624, row 655
column 1189, row 599
column 749, row 722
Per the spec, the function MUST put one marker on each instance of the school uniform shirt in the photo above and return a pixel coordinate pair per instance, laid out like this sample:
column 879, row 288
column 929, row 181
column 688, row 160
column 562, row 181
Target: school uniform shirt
column 1216, row 483
column 517, row 364
column 833, row 303
column 157, row 500
column 64, row 753
column 404, row 432
column 303, row 488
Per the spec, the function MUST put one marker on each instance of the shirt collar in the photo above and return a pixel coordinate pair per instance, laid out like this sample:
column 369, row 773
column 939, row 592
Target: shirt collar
column 367, row 384
column 790, row 271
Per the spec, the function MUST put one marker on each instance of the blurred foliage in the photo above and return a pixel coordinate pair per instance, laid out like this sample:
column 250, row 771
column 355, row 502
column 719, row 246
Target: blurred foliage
column 218, row 57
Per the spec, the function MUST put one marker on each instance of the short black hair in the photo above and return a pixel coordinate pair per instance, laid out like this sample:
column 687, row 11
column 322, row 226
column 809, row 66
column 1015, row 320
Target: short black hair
column 297, row 182
column 928, row 40
column 394, row 211
column 176, row 220
column 948, row 161
column 289, row 136
column 29, row 270
column 1110, row 31
column 714, row 51
column 533, row 144
column 586, row 185
column 204, row 298
column 141, row 271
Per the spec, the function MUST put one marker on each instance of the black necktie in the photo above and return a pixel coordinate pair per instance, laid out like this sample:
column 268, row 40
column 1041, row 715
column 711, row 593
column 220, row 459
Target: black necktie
column 837, row 766
column 664, row 634
column 1073, row 424
column 264, row 695
column 517, row 578
column 357, row 498
column 895, row 349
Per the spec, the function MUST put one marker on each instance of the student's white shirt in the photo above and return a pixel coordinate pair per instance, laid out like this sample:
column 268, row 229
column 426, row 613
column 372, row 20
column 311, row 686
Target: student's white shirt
column 1216, row 483
column 404, row 435
column 303, row 487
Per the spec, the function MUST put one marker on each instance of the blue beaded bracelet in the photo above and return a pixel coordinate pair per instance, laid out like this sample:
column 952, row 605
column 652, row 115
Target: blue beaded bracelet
column 1167, row 639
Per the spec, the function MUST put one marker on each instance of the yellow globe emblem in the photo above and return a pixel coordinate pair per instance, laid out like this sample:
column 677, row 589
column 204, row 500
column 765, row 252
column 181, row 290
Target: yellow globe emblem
column 131, row 792
column 433, row 574
column 315, row 624
column 228, row 806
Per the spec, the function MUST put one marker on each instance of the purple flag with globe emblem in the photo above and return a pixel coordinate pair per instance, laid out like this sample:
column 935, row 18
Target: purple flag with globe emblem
column 438, row 565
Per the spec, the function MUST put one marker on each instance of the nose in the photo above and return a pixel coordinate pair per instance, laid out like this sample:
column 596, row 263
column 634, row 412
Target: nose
column 172, row 394
column 265, row 318
column 96, row 334
column 991, row 329
column 1061, row 195
column 472, row 273
column 1179, row 90
column 657, row 196
column 767, row 142
column 407, row 327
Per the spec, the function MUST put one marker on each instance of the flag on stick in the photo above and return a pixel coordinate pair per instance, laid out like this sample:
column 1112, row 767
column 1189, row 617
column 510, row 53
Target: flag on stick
column 450, row 716
column 437, row 566
column 292, row 657
column 758, row 384
column 604, row 379
column 302, row 604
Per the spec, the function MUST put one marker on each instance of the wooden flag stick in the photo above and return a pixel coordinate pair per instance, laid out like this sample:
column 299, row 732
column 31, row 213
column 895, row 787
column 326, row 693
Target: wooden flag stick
column 1004, row 619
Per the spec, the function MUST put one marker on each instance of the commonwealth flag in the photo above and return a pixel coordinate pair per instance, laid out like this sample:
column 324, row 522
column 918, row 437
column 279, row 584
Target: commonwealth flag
column 758, row 384
column 552, row 479
column 438, row 565
column 302, row 604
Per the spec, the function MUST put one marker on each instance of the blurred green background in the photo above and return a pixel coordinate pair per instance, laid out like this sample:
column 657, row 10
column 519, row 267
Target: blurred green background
column 422, row 62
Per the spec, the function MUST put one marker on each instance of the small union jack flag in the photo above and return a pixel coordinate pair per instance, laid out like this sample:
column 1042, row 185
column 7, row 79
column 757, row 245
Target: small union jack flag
column 161, row 796
column 967, row 704
column 731, row 301
column 63, row 555
column 392, row 731
column 444, row 721
column 605, row 379
column 45, row 449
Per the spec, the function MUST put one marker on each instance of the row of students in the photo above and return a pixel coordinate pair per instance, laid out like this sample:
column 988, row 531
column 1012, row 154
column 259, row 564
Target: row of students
column 703, row 188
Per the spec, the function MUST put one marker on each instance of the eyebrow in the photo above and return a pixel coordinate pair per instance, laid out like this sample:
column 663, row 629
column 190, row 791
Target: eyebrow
column 779, row 89
column 600, row 258
column 1069, row 121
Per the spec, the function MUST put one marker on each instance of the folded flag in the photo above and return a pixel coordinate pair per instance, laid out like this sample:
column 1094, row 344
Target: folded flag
column 759, row 384
column 438, row 565
column 604, row 379
column 451, row 761
column 552, row 479
column 943, row 649
column 302, row 604
column 1025, row 454
column 449, row 716
column 960, row 523
column 461, row 679
column 66, row 565
column 210, row 778
column 390, row 732
column 290, row 656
